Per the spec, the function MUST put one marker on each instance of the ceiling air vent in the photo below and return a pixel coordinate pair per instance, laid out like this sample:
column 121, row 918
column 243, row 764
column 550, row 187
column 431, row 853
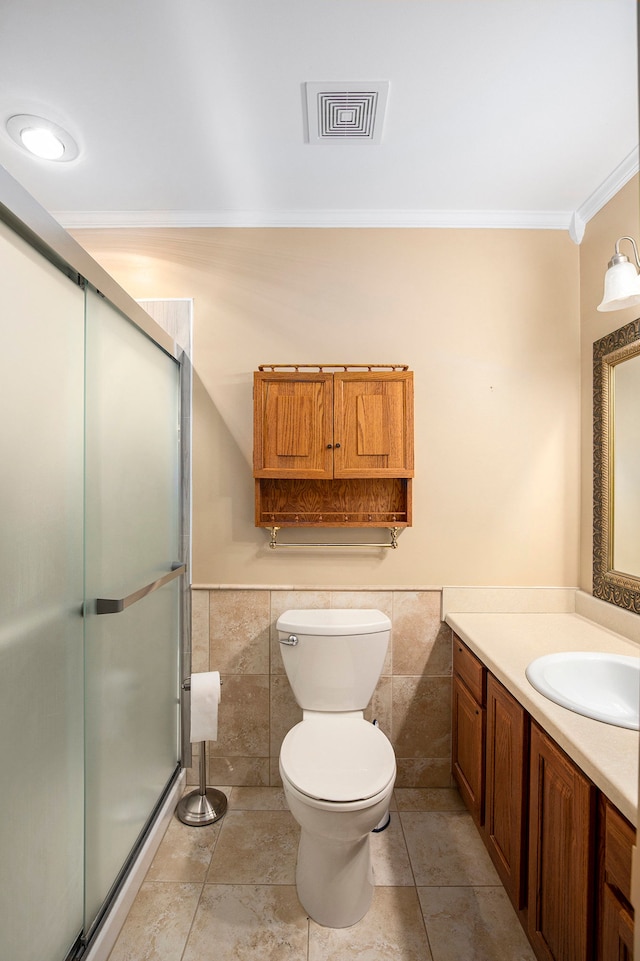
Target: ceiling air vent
column 346, row 112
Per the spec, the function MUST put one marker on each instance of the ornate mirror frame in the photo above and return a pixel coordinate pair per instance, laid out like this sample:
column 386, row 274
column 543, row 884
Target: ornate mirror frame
column 610, row 585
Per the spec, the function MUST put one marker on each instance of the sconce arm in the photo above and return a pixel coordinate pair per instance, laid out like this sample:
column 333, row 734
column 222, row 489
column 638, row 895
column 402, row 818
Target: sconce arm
column 619, row 258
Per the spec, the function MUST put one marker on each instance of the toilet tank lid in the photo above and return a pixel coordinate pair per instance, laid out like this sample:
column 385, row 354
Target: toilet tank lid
column 332, row 621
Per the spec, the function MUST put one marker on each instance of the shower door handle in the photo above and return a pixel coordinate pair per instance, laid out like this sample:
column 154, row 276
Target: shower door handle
column 109, row 605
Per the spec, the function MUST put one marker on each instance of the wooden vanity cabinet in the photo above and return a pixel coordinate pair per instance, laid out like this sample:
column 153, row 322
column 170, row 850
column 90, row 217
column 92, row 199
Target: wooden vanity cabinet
column 507, row 759
column 333, row 448
column 561, row 848
column 468, row 728
column 617, row 838
column 561, row 889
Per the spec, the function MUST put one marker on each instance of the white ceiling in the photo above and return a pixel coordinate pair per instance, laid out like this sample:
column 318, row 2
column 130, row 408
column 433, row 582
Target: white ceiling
column 190, row 112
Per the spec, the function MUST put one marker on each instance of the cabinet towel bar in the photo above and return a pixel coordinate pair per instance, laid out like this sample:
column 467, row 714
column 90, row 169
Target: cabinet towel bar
column 393, row 541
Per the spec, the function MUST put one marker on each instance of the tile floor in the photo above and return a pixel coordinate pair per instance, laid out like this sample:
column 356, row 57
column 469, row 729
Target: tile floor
column 226, row 892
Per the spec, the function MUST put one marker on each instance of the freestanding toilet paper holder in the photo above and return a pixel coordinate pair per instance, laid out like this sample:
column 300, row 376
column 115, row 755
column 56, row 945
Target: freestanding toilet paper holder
column 205, row 805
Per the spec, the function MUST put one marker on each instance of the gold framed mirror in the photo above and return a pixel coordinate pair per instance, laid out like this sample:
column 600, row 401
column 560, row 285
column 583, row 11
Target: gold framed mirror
column 616, row 467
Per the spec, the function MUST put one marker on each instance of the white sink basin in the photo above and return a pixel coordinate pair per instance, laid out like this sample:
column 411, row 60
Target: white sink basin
column 605, row 687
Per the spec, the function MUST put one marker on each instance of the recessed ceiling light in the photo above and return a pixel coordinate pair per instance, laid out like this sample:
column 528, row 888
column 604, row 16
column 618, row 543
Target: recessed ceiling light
column 42, row 138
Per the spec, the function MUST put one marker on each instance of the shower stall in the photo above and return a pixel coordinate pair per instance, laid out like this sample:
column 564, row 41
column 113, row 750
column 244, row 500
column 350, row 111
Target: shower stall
column 93, row 602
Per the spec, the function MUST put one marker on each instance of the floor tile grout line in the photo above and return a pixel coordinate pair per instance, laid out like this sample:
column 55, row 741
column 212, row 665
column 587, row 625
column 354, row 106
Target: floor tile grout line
column 195, row 913
column 415, row 885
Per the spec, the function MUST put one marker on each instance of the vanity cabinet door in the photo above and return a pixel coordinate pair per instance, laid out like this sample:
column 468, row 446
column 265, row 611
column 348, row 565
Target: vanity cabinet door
column 506, row 788
column 617, row 838
column 468, row 727
column 561, row 854
column 616, row 934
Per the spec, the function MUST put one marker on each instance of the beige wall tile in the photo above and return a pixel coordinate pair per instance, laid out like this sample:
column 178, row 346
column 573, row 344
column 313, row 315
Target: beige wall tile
column 285, row 712
column 423, row 772
column 258, row 799
column 238, row 770
column 421, row 642
column 274, row 772
column 199, row 631
column 243, row 719
column 421, row 716
column 429, row 799
column 380, row 705
column 239, row 632
column 258, row 709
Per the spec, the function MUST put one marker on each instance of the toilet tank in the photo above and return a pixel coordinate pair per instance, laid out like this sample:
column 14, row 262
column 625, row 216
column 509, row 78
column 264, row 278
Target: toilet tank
column 338, row 658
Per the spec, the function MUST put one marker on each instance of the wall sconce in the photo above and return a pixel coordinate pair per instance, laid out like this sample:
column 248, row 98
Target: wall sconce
column 621, row 281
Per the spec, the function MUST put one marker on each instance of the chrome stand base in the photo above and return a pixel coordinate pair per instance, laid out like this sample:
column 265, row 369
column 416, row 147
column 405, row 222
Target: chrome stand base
column 198, row 809
column 206, row 805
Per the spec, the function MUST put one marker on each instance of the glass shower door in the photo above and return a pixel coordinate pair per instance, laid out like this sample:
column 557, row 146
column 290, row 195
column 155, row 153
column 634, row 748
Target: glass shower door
column 132, row 605
column 41, row 657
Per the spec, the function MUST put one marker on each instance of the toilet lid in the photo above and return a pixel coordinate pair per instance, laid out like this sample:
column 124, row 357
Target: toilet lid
column 337, row 759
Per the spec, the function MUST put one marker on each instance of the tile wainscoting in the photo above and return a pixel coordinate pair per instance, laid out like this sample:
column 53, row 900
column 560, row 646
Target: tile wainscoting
column 233, row 631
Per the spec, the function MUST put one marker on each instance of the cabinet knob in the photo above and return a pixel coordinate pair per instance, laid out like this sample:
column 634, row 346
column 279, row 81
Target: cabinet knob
column 329, row 446
column 337, row 445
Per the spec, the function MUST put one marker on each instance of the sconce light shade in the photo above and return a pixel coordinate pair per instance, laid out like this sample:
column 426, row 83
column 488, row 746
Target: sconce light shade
column 621, row 281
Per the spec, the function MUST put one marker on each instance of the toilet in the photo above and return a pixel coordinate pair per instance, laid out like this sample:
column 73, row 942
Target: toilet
column 337, row 769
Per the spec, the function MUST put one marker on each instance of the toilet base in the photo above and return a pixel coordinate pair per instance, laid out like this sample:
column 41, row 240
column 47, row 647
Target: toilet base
column 334, row 879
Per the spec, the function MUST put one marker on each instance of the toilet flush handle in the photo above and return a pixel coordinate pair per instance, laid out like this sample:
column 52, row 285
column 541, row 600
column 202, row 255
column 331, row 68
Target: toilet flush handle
column 290, row 641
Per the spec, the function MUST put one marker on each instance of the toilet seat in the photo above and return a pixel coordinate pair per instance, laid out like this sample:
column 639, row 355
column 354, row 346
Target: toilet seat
column 337, row 759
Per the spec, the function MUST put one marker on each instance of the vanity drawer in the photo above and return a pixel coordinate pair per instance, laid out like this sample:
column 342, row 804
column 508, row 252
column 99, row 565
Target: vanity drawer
column 619, row 838
column 472, row 671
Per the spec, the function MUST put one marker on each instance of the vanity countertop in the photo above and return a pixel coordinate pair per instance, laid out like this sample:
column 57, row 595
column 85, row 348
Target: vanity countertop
column 507, row 643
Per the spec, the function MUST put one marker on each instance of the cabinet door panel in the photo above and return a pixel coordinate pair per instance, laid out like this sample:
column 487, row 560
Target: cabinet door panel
column 616, row 942
column 293, row 425
column 373, row 424
column 561, row 854
column 505, row 792
column 468, row 748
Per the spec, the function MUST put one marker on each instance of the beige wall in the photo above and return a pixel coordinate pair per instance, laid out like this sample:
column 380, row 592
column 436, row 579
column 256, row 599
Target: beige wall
column 487, row 319
column 619, row 218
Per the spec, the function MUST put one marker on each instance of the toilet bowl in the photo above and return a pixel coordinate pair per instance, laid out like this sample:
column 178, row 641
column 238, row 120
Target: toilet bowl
column 338, row 770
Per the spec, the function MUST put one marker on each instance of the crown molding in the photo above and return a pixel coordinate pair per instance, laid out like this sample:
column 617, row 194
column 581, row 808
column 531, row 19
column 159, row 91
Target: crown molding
column 454, row 219
column 574, row 221
column 616, row 180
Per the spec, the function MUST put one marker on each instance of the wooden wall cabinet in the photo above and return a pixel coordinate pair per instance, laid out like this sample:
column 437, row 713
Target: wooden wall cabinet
column 468, row 728
column 507, row 760
column 333, row 448
column 561, row 898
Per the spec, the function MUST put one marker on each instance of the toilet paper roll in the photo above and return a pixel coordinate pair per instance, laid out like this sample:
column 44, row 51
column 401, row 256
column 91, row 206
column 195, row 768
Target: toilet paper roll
column 205, row 698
